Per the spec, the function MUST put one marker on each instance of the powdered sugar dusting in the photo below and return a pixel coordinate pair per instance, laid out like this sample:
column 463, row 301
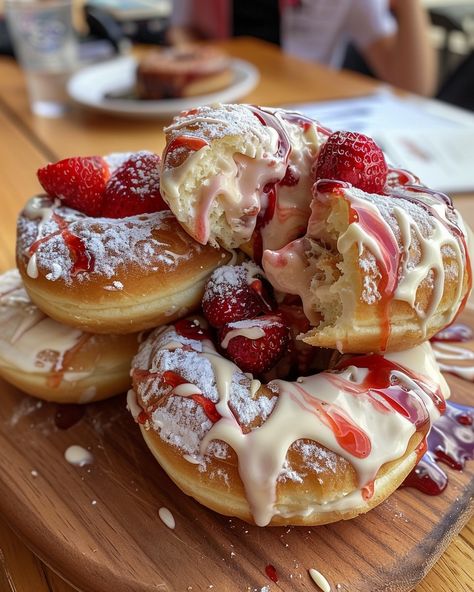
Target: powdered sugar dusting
column 116, row 159
column 181, row 421
column 112, row 243
column 216, row 122
column 227, row 280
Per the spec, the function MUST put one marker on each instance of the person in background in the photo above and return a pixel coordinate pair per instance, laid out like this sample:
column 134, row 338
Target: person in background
column 393, row 37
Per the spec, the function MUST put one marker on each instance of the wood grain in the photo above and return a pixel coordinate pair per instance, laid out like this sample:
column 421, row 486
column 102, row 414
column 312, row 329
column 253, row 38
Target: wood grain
column 98, row 526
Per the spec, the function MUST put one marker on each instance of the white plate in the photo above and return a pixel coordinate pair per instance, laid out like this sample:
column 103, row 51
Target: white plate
column 90, row 86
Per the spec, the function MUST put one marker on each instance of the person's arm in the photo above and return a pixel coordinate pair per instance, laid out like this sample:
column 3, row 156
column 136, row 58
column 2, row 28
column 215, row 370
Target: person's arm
column 406, row 58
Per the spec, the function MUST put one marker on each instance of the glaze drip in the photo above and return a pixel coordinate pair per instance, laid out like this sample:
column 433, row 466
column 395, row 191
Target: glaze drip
column 365, row 411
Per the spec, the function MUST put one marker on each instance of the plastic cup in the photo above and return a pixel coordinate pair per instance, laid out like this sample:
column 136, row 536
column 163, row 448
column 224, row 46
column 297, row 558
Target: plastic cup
column 46, row 46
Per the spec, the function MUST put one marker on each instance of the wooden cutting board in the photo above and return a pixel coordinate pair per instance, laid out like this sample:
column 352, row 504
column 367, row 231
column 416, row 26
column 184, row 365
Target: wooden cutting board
column 98, row 526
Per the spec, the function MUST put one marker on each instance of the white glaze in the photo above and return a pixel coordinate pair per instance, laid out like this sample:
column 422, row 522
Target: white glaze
column 35, row 209
column 234, row 187
column 249, row 333
column 292, row 268
column 292, row 208
column 27, row 334
column 319, row 580
column 78, row 456
column 448, row 351
column 300, row 413
column 132, row 404
column 167, row 517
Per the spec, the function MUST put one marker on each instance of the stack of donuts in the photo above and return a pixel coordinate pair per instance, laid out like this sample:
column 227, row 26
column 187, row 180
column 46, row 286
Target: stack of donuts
column 303, row 388
column 100, row 259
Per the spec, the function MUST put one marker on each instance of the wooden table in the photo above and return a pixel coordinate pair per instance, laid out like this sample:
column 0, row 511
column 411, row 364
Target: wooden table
column 27, row 142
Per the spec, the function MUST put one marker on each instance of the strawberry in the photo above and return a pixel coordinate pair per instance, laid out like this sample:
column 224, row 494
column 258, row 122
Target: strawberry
column 134, row 188
column 234, row 293
column 355, row 158
column 260, row 354
column 79, row 182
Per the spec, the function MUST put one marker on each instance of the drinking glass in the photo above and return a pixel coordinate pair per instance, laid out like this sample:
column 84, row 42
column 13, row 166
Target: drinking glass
column 46, row 46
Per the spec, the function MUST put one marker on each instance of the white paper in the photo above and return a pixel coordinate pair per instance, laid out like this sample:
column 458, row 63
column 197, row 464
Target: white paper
column 430, row 138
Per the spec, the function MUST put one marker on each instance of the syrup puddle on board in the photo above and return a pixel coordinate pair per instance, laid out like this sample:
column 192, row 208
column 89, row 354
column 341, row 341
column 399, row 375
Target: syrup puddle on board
column 451, row 439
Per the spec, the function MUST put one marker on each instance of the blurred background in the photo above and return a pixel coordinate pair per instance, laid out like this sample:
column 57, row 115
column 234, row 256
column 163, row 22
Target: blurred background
column 107, row 27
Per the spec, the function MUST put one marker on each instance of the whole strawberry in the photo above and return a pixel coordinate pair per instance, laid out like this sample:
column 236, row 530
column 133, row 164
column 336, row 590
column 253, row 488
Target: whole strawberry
column 79, row 182
column 355, row 158
column 255, row 345
column 134, row 188
column 234, row 293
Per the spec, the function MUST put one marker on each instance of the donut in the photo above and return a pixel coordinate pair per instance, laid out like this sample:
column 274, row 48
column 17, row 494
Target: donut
column 106, row 275
column 240, row 175
column 182, row 71
column 56, row 362
column 376, row 272
column 323, row 448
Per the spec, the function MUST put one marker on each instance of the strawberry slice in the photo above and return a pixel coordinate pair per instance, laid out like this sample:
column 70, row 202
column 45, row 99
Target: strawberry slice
column 134, row 188
column 79, row 182
column 355, row 158
column 234, row 293
column 260, row 352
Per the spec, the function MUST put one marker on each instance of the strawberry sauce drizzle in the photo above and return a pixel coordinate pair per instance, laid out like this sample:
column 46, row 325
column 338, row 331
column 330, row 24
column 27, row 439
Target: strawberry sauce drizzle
column 271, row 572
column 368, row 491
column 263, row 218
column 349, row 436
column 375, row 226
column 450, row 441
column 192, row 143
column 266, row 214
column 65, row 361
column 82, row 259
column 380, row 382
column 173, row 379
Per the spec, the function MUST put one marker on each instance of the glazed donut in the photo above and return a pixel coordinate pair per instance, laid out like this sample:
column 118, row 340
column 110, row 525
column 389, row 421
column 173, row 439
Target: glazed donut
column 55, row 362
column 107, row 275
column 321, row 449
column 376, row 272
column 232, row 173
column 182, row 71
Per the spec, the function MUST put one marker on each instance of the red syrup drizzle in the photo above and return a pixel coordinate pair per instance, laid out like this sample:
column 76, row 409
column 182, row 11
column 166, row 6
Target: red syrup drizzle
column 456, row 332
column 374, row 225
column 266, row 214
column 55, row 379
column 451, row 441
column 271, row 572
column 192, row 143
column 380, row 382
column 290, row 179
column 67, row 416
column 82, row 259
column 368, row 491
column 349, row 436
column 173, row 379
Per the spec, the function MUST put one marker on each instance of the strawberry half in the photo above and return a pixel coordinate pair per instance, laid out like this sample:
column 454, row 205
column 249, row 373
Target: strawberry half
column 134, row 188
column 79, row 182
column 234, row 293
column 355, row 158
column 258, row 354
